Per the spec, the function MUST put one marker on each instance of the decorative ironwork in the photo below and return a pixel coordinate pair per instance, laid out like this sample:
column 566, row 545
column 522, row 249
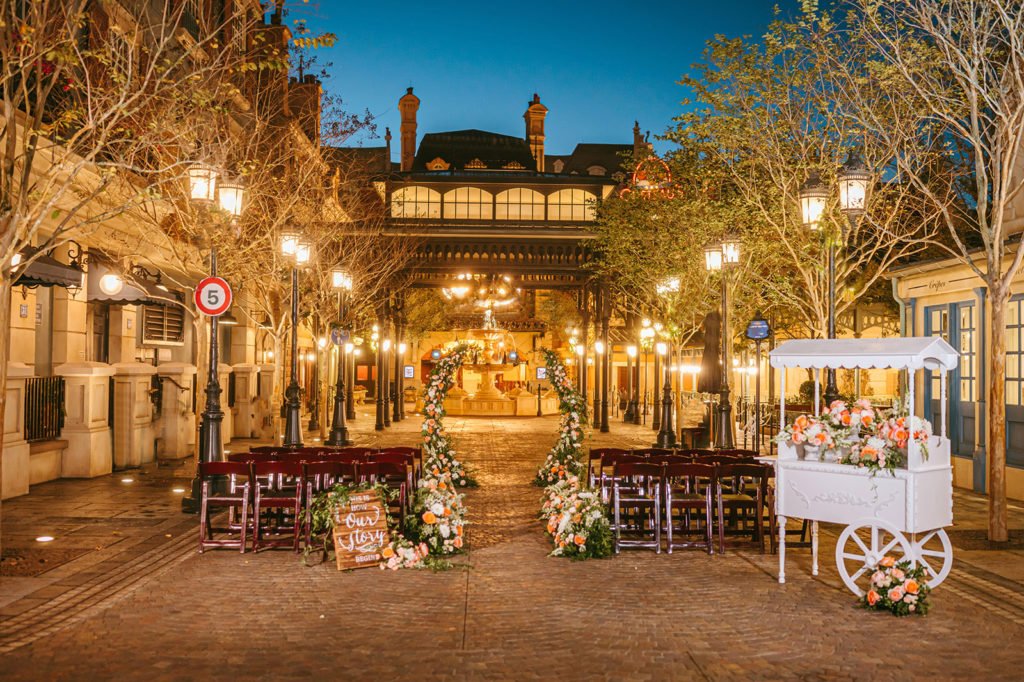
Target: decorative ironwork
column 44, row 408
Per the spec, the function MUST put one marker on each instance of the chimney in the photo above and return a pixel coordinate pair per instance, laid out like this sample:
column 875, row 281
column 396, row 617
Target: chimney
column 304, row 95
column 641, row 145
column 408, row 105
column 534, row 117
column 387, row 143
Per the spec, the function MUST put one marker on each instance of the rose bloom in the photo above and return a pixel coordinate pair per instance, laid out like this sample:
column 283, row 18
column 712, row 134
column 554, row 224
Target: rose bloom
column 896, row 593
column 912, row 586
column 873, row 597
column 887, row 561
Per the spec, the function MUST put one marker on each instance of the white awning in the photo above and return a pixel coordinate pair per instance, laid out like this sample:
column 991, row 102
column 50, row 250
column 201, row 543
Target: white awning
column 897, row 353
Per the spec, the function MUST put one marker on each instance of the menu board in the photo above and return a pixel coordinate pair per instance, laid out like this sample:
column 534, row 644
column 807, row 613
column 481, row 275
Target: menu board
column 360, row 530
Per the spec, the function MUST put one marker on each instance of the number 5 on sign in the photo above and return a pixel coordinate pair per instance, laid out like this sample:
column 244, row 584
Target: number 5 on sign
column 213, row 296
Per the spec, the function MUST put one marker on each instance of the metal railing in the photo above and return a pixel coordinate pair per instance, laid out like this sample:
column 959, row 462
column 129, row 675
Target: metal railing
column 44, row 408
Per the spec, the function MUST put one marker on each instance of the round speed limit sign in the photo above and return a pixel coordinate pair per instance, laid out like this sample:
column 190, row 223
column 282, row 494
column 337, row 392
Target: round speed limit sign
column 213, row 296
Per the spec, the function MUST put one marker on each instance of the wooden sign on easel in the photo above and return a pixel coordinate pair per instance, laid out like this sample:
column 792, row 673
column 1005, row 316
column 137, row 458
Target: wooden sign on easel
column 360, row 530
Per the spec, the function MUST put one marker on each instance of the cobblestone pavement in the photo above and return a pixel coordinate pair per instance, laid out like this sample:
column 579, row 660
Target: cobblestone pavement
column 141, row 603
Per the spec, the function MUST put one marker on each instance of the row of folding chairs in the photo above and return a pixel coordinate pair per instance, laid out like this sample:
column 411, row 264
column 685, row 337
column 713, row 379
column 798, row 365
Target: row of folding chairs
column 601, row 461
column 647, row 498
column 275, row 489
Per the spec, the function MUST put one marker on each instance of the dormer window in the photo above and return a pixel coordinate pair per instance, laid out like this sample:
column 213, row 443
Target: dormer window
column 438, row 164
column 597, row 170
column 476, row 164
column 558, row 165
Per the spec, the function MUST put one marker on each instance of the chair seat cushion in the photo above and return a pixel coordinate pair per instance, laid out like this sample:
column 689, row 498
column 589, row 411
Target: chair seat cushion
column 739, row 498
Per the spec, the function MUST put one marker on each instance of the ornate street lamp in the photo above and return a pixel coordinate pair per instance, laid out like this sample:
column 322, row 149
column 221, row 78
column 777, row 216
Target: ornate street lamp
column 813, row 198
column 854, row 186
column 230, row 197
column 293, row 246
column 341, row 281
column 854, row 181
column 723, row 257
column 667, row 433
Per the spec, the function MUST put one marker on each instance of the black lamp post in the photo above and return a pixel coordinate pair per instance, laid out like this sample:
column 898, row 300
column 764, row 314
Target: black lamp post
column 627, row 415
column 204, row 190
column 667, row 433
column 299, row 251
column 342, row 282
column 854, row 182
column 722, row 258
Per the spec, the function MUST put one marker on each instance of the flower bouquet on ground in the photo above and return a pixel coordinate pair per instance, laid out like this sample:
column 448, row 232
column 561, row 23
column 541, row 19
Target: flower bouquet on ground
column 899, row 588
column 439, row 519
column 576, row 521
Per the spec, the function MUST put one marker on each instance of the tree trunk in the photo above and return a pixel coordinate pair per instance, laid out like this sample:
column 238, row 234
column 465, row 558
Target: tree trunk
column 996, row 441
column 5, row 351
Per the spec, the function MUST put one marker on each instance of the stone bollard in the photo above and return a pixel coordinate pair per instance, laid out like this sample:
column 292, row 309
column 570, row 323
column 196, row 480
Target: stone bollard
column 133, row 414
column 87, row 422
column 177, row 426
column 15, row 468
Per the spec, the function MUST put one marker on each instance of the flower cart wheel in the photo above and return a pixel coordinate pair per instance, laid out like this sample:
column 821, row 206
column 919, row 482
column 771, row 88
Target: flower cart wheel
column 862, row 545
column 934, row 552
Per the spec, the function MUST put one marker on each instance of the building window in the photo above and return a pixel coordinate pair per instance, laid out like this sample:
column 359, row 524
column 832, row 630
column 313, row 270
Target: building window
column 468, row 203
column 571, row 204
column 163, row 324
column 937, row 325
column 120, row 55
column 519, row 203
column 968, row 354
column 415, row 202
column 239, row 28
column 597, row 170
column 1014, row 354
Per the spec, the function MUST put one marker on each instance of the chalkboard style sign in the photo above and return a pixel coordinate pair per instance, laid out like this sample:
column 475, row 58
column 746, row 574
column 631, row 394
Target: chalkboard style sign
column 360, row 530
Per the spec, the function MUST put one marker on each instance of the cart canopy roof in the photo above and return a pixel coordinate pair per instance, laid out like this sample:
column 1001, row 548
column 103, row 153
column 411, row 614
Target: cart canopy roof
column 915, row 352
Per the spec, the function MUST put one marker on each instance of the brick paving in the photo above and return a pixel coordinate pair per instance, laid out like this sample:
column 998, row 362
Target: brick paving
column 141, row 603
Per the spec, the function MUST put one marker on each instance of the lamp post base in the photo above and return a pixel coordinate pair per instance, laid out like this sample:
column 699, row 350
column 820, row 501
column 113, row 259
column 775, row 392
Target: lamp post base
column 724, row 439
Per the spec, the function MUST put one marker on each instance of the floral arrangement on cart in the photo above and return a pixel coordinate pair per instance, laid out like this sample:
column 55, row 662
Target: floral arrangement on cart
column 859, row 435
column 574, row 517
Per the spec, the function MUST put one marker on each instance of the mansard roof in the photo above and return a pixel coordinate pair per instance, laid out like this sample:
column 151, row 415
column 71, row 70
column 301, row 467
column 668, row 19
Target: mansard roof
column 473, row 150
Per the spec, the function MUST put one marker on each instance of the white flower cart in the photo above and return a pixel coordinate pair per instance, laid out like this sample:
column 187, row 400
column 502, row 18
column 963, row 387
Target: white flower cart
column 902, row 515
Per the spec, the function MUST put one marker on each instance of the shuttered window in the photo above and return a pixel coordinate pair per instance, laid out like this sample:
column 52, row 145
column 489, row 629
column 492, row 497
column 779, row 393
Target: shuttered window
column 163, row 324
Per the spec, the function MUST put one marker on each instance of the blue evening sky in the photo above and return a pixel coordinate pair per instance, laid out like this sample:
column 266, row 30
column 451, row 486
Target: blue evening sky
column 597, row 65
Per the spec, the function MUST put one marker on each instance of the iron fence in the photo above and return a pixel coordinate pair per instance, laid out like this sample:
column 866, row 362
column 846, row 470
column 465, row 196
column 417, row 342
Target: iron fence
column 44, row 408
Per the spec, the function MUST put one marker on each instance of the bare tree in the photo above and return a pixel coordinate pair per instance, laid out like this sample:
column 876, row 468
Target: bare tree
column 939, row 84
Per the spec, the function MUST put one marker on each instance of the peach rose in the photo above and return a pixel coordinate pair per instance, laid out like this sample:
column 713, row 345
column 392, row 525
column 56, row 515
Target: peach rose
column 873, row 597
column 912, row 586
column 887, row 561
column 387, row 552
column 896, row 593
column 428, row 517
column 457, row 542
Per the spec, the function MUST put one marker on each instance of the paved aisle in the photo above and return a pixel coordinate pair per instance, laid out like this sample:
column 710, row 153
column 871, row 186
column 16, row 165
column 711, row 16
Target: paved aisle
column 515, row 613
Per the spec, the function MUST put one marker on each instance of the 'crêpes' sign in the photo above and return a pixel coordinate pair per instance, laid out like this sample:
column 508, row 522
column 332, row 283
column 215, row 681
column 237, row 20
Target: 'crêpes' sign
column 360, row 530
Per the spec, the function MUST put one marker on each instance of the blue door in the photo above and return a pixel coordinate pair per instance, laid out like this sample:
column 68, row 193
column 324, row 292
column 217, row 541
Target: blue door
column 958, row 324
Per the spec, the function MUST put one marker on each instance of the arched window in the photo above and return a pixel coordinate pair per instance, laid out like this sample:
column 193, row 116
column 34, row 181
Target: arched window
column 415, row 202
column 571, row 204
column 468, row 203
column 519, row 203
